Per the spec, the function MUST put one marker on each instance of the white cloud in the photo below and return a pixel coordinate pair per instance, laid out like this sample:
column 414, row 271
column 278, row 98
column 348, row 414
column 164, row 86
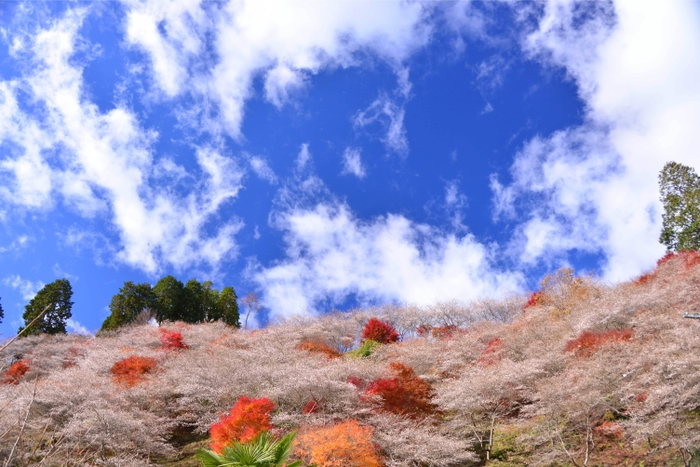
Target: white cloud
column 331, row 254
column 262, row 169
column 453, row 198
column 25, row 287
column 352, row 163
column 303, row 157
column 59, row 272
column 280, row 41
column 105, row 164
column 389, row 115
column 636, row 67
column 18, row 244
column 77, row 328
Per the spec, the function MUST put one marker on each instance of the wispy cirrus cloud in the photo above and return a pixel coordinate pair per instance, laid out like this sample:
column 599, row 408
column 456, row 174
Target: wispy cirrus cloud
column 352, row 163
column 25, row 287
column 281, row 42
column 102, row 163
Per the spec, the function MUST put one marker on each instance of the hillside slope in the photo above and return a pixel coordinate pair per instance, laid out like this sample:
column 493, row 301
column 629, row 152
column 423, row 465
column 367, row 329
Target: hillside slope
column 581, row 374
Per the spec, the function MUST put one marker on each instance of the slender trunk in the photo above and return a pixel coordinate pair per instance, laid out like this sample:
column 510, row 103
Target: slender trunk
column 488, row 451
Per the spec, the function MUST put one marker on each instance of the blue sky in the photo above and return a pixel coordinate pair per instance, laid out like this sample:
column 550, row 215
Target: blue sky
column 335, row 154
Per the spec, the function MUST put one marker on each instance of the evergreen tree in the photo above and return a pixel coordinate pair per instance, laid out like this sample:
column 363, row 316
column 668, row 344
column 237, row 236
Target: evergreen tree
column 195, row 296
column 210, row 303
column 680, row 195
column 2, row 313
column 56, row 296
column 131, row 300
column 170, row 299
column 228, row 307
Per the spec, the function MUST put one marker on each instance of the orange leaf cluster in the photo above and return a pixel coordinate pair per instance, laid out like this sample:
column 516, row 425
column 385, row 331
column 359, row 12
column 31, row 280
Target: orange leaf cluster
column 588, row 342
column 132, row 370
column 406, row 394
column 490, row 355
column 246, row 420
column 15, row 372
column 319, row 346
column 380, row 331
column 346, row 444
column 172, row 340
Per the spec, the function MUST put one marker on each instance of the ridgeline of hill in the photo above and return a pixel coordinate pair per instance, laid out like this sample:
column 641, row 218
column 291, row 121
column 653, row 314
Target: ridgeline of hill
column 577, row 374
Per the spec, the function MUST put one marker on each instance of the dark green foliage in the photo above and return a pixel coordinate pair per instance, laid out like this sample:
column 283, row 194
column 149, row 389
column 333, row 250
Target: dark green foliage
column 680, row 195
column 228, row 307
column 170, row 300
column 56, row 296
column 2, row 313
column 131, row 300
column 195, row 297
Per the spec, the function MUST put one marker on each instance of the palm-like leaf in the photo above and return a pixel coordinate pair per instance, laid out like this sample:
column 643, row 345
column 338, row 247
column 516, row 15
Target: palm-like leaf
column 263, row 451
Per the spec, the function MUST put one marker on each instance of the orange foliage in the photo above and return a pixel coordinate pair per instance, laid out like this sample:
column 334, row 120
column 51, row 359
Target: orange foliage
column 406, row 394
column 172, row 340
column 15, row 372
column 589, row 342
column 346, row 444
column 132, row 370
column 246, row 420
column 380, row 331
column 490, row 355
column 318, row 345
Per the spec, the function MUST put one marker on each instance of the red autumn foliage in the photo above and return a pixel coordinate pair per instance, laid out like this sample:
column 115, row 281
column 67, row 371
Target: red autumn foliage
column 312, row 406
column 172, row 340
column 319, row 346
column 380, row 331
column 406, row 394
column 424, row 330
column 490, row 355
column 535, row 299
column 246, row 420
column 445, row 332
column 588, row 342
column 132, row 370
column 357, row 382
column 641, row 397
column 15, row 372
column 688, row 258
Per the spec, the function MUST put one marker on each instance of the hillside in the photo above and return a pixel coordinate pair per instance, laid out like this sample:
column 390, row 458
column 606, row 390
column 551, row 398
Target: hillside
column 578, row 374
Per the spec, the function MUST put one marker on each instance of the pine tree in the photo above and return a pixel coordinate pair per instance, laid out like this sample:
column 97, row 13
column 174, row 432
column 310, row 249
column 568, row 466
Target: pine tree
column 56, row 296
